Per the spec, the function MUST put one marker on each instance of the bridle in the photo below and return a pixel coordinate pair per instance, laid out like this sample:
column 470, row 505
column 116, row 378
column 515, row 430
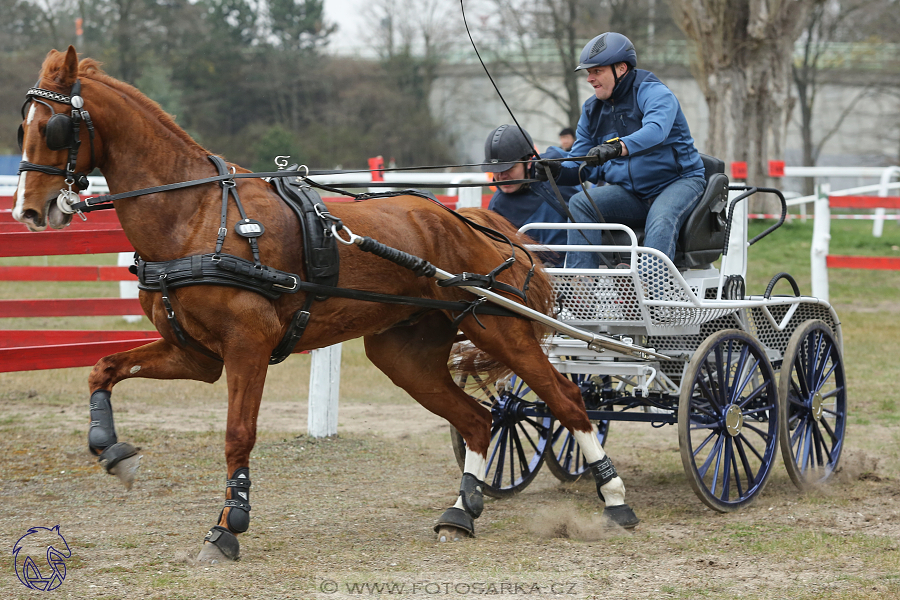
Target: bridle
column 62, row 131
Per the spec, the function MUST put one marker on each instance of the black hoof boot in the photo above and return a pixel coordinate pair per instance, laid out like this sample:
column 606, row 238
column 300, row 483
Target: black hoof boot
column 456, row 518
column 222, row 544
column 115, row 454
column 621, row 515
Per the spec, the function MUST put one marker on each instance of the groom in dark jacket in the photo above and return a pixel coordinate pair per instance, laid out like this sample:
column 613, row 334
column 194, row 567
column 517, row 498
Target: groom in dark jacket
column 507, row 154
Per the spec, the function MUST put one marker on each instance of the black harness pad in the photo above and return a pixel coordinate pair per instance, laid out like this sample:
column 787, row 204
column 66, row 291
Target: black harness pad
column 210, row 269
column 319, row 246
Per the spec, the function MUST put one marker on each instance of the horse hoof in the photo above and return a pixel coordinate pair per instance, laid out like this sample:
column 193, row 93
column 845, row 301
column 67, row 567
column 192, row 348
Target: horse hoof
column 211, row 555
column 621, row 515
column 126, row 469
column 448, row 533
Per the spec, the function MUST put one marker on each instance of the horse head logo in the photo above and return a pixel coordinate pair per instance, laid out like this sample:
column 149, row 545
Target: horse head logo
column 46, row 545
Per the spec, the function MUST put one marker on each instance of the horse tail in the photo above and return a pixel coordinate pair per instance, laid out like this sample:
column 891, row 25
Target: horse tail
column 466, row 359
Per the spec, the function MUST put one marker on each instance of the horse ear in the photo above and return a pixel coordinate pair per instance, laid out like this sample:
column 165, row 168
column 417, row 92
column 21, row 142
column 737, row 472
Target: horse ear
column 69, row 72
column 61, row 69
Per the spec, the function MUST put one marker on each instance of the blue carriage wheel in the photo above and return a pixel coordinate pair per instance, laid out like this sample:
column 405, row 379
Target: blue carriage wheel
column 564, row 457
column 727, row 420
column 520, row 430
column 813, row 395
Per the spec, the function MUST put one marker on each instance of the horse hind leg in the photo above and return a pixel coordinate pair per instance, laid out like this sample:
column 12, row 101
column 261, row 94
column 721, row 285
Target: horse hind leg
column 156, row 360
column 415, row 359
column 563, row 397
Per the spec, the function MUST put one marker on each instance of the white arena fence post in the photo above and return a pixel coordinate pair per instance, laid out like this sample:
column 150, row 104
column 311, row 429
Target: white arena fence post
column 128, row 289
column 324, row 390
column 821, row 239
column 878, row 222
column 469, row 197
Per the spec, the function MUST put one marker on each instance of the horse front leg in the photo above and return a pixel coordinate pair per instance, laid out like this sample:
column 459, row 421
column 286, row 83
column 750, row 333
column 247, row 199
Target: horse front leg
column 562, row 396
column 415, row 359
column 246, row 374
column 156, row 360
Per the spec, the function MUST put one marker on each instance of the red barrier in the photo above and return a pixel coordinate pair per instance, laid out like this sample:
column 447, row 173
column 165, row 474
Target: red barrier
column 864, row 202
column 95, row 273
column 877, row 263
column 28, row 350
column 70, row 307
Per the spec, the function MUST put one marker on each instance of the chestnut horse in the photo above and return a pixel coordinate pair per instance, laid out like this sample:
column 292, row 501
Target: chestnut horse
column 136, row 145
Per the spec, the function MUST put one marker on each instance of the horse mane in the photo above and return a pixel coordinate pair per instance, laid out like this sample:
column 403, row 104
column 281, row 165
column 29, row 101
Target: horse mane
column 467, row 359
column 88, row 68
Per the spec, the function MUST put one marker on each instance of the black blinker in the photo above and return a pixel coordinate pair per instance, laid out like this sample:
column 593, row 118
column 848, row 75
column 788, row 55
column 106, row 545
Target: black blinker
column 58, row 132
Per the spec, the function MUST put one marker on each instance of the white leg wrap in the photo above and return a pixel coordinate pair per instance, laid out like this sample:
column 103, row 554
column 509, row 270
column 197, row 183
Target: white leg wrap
column 614, row 491
column 476, row 465
column 590, row 445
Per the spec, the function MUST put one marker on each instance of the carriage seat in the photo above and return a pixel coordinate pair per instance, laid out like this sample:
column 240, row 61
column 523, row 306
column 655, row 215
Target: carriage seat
column 702, row 236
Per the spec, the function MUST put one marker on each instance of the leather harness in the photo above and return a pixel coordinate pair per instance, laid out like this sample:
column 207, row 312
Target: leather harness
column 322, row 265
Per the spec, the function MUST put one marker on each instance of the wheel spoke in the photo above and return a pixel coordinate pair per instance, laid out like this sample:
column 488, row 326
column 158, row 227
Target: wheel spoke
column 712, row 455
column 564, row 457
column 826, row 376
column 525, row 434
column 821, row 358
column 742, row 368
column 732, row 444
column 829, row 431
column 524, row 467
column 756, row 393
column 747, row 443
column 762, row 434
column 819, row 444
column 745, row 462
column 721, row 373
column 705, row 442
column 708, row 393
column 805, row 449
column 500, row 454
column 798, row 384
column 727, row 459
column 831, row 394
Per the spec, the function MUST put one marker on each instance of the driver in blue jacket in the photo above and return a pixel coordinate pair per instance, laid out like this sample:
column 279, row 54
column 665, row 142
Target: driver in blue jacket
column 507, row 154
column 637, row 140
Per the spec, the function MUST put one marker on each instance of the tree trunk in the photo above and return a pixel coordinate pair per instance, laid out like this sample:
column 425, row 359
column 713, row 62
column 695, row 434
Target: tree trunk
column 743, row 66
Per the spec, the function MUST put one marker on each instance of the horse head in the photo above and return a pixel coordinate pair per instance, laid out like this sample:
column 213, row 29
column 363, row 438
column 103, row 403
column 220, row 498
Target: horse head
column 50, row 143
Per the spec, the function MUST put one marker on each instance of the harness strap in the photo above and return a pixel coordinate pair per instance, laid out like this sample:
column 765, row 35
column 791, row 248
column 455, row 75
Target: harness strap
column 185, row 340
column 229, row 187
column 293, row 334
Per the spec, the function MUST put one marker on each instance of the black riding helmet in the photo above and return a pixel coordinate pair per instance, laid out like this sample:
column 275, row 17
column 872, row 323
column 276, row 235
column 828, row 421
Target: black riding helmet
column 504, row 146
column 607, row 49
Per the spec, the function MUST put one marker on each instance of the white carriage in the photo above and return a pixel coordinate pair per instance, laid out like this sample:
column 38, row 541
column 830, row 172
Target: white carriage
column 740, row 375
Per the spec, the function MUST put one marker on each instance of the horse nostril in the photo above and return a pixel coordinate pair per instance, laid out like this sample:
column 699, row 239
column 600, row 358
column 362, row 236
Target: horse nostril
column 30, row 215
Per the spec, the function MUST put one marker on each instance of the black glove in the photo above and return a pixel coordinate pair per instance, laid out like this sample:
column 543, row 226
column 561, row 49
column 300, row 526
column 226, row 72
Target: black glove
column 541, row 174
column 604, row 152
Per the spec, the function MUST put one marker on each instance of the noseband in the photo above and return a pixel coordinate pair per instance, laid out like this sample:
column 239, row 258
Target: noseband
column 62, row 131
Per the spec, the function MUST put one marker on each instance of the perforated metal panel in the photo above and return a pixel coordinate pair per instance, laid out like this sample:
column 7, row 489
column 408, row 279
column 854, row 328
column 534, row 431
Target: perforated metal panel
column 620, row 297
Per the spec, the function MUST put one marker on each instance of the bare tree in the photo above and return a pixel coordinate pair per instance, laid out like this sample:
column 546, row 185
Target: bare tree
column 824, row 24
column 742, row 62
